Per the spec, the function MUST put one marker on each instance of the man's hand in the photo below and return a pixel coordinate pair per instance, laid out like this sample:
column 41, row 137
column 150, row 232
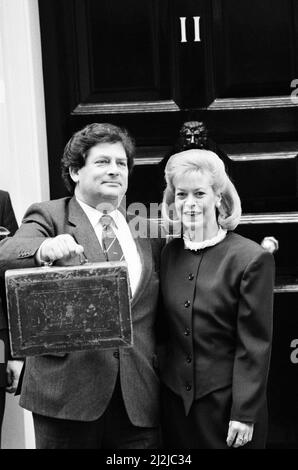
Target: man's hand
column 13, row 371
column 239, row 434
column 60, row 247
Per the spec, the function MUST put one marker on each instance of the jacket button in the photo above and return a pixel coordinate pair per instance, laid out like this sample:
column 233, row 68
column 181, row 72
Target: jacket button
column 191, row 277
column 116, row 354
column 188, row 387
column 187, row 304
column 187, row 331
column 188, row 359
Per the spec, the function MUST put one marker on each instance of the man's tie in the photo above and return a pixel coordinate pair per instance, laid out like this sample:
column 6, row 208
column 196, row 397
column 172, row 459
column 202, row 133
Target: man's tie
column 110, row 243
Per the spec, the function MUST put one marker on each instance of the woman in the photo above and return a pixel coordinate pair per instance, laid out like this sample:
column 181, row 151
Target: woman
column 217, row 290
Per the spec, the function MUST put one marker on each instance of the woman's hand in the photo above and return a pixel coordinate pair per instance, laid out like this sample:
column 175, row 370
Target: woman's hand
column 239, row 434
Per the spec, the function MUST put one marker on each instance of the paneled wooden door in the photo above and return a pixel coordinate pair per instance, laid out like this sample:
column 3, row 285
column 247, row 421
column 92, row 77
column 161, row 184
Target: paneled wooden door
column 151, row 65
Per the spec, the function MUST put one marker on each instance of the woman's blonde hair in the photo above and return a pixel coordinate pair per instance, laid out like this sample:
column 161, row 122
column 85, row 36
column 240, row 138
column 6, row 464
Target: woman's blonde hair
column 205, row 161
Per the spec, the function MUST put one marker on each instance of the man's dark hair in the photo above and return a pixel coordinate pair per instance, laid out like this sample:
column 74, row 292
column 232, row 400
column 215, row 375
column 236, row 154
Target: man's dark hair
column 76, row 149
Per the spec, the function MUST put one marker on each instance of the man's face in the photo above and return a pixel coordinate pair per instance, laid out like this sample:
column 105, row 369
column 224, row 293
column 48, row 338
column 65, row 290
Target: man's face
column 104, row 177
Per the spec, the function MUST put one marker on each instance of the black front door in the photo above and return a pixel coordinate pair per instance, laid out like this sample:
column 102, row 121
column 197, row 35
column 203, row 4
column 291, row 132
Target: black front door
column 152, row 65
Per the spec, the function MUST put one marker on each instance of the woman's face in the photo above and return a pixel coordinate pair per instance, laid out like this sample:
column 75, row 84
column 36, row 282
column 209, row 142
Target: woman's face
column 195, row 202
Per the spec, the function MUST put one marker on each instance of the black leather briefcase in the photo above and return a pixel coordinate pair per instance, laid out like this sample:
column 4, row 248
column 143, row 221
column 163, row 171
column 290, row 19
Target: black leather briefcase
column 71, row 308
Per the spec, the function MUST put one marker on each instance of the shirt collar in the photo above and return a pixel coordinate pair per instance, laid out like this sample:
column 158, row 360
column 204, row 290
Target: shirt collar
column 94, row 215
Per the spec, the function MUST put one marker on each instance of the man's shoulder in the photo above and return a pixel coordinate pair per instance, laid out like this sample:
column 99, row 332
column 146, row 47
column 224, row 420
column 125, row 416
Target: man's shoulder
column 53, row 206
column 53, row 211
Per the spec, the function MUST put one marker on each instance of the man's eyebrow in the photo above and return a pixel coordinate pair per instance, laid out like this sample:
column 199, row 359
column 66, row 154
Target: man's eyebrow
column 109, row 157
column 103, row 155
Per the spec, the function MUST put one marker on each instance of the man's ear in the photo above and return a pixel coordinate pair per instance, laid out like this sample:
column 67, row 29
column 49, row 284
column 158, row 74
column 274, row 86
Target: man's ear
column 74, row 174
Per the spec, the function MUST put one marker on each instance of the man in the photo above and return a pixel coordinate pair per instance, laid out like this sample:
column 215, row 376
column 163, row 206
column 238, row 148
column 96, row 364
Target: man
column 9, row 369
column 93, row 399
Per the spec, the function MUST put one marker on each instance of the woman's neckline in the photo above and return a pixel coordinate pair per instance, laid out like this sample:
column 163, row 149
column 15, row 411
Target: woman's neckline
column 195, row 246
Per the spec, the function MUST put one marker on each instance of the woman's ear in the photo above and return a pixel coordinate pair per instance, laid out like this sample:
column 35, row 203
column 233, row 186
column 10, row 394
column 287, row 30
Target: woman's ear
column 218, row 201
column 74, row 174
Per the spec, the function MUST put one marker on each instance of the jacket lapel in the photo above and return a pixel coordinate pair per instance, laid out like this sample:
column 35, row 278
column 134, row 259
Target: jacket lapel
column 145, row 252
column 83, row 232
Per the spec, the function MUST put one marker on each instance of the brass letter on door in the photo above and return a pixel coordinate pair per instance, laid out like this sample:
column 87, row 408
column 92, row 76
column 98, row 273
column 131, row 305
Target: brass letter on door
column 197, row 28
column 197, row 31
column 183, row 29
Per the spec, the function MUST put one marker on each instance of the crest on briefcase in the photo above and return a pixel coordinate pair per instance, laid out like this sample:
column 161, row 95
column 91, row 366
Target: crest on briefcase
column 71, row 308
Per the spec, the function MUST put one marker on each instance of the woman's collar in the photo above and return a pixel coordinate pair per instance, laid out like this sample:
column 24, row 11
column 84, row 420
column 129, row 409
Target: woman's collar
column 191, row 245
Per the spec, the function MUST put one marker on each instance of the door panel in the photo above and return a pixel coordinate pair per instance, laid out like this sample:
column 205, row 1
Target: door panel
column 255, row 52
column 88, row 77
column 123, row 52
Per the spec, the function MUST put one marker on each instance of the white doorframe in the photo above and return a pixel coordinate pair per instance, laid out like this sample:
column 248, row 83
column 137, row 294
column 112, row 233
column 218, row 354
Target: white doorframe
column 23, row 148
column 23, row 155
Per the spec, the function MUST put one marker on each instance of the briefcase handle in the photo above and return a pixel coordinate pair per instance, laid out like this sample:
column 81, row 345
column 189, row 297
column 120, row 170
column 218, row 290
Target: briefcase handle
column 83, row 260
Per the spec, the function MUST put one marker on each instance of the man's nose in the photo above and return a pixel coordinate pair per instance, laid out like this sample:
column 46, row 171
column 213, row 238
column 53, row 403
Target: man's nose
column 113, row 168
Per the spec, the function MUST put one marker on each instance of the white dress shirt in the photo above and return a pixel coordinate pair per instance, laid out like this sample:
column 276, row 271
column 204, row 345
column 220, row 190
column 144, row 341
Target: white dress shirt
column 125, row 238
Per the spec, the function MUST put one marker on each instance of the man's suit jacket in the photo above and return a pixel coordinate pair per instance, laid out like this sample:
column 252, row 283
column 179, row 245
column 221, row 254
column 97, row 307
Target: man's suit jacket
column 79, row 385
column 217, row 322
column 7, row 220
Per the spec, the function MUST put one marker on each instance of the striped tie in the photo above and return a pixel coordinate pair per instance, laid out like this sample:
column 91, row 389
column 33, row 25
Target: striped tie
column 110, row 243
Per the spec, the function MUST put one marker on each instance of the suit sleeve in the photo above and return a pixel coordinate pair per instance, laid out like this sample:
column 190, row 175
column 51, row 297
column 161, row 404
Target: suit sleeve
column 254, row 337
column 19, row 251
